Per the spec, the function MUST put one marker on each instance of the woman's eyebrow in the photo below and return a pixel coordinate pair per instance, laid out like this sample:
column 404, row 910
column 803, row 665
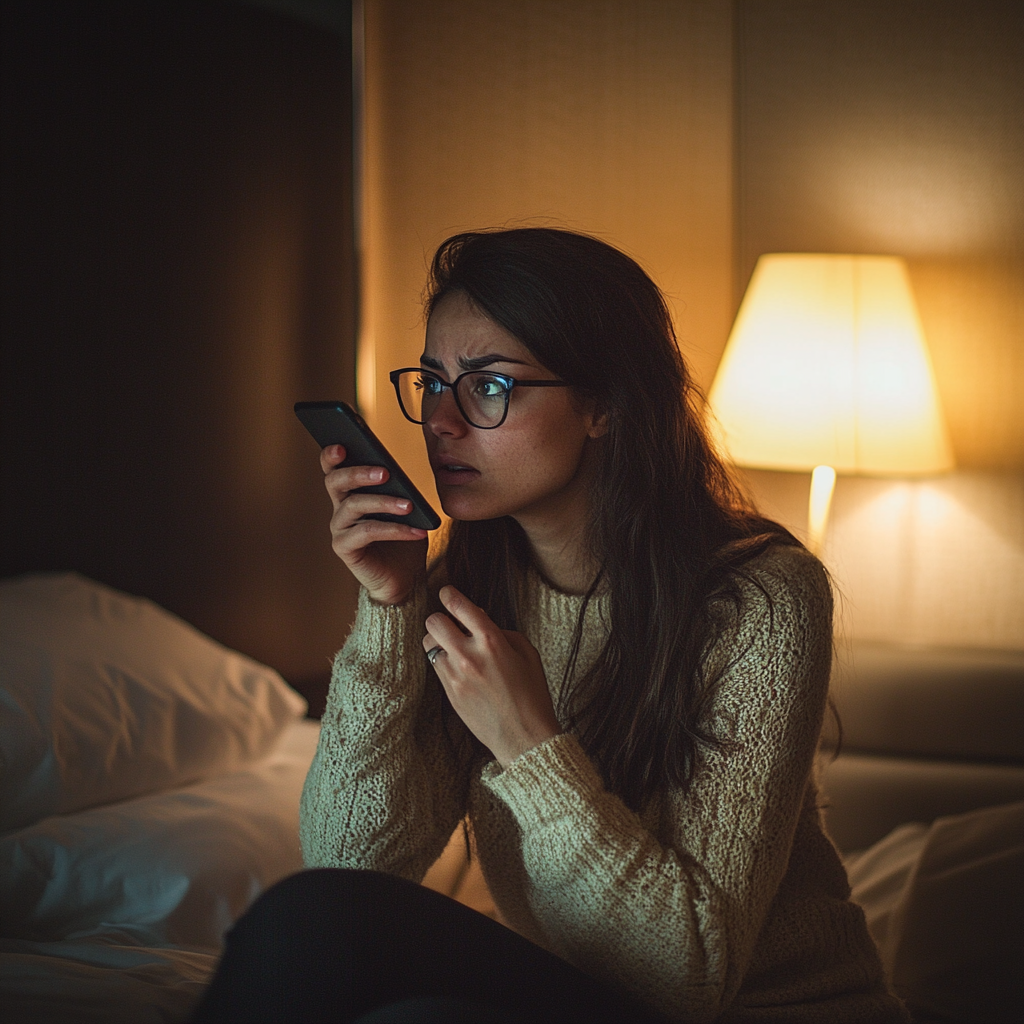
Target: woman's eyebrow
column 479, row 362
column 475, row 363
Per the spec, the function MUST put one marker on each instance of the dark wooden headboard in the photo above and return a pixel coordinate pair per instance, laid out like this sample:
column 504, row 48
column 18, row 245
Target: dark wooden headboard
column 178, row 269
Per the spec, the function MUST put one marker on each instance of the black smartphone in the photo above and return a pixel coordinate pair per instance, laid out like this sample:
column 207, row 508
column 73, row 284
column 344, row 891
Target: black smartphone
column 339, row 423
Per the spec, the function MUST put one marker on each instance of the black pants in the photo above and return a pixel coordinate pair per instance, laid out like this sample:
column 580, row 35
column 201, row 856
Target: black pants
column 337, row 946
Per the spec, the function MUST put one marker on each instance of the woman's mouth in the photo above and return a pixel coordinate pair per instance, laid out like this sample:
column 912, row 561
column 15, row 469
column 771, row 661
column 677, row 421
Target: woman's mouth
column 449, row 473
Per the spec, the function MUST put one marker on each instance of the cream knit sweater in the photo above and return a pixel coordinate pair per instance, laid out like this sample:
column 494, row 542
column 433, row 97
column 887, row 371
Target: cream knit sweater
column 728, row 903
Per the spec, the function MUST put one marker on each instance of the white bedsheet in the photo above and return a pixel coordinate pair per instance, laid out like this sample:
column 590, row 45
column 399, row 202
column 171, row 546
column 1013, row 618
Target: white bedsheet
column 945, row 903
column 104, row 978
column 128, row 930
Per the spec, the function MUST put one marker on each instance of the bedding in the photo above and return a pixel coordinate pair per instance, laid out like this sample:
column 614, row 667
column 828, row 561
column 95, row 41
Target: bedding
column 926, row 800
column 945, row 905
column 102, row 980
column 149, row 791
column 104, row 696
column 173, row 867
column 117, row 913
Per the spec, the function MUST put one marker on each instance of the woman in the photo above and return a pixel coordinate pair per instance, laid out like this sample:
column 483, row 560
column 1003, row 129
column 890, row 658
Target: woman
column 616, row 673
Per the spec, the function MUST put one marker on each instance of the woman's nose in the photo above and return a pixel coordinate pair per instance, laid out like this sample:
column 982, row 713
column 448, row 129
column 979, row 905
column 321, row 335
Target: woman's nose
column 446, row 420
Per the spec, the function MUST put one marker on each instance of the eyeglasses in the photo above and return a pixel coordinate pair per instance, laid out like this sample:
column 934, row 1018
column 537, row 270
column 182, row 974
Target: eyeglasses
column 482, row 397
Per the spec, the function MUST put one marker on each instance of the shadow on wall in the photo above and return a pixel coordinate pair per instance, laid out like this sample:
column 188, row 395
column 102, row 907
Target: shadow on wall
column 937, row 561
column 178, row 269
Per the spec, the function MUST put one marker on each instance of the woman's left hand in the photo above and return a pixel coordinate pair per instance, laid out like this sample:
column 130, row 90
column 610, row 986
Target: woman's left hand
column 493, row 677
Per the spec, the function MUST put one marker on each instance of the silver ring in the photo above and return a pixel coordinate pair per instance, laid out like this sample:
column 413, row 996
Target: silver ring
column 433, row 653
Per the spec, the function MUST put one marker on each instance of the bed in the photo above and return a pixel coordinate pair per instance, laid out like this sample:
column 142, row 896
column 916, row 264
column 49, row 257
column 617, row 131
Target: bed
column 925, row 803
column 150, row 784
column 149, row 789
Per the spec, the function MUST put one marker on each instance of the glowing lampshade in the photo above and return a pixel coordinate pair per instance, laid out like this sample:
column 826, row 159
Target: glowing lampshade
column 827, row 366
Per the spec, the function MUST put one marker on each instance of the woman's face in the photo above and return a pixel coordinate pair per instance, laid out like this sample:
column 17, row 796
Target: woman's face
column 532, row 467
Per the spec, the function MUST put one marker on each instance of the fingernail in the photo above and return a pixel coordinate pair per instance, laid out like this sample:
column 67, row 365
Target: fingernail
column 404, row 504
column 377, row 474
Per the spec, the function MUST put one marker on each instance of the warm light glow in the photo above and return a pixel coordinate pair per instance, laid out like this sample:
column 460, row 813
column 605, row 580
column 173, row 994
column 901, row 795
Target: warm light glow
column 823, row 483
column 366, row 378
column 827, row 365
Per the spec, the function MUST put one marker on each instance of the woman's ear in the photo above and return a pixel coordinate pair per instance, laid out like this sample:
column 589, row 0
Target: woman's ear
column 598, row 423
column 593, row 413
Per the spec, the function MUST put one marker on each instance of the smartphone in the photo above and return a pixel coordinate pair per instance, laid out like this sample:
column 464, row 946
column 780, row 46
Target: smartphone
column 339, row 423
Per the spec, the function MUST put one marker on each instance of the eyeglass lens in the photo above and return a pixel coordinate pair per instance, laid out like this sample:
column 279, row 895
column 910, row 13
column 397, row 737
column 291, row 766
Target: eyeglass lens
column 482, row 396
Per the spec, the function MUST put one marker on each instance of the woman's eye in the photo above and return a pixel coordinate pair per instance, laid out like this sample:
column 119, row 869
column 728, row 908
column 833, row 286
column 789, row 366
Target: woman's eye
column 489, row 387
column 430, row 385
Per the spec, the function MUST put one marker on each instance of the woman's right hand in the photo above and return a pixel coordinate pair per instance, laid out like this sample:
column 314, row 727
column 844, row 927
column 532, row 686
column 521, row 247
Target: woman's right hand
column 386, row 558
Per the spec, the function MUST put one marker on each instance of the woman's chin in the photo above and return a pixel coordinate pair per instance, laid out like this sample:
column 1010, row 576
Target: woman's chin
column 459, row 512
column 459, row 505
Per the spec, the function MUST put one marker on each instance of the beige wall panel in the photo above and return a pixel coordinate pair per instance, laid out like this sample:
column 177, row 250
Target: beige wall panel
column 608, row 117
column 973, row 315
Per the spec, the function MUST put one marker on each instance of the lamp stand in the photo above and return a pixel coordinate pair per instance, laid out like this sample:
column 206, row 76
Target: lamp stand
column 823, row 483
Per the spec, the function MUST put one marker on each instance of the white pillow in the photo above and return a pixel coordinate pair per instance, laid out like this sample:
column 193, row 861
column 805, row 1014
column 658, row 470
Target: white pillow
column 105, row 696
column 174, row 867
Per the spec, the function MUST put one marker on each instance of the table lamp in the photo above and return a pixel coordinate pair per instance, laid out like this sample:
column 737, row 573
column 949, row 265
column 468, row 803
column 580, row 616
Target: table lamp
column 826, row 370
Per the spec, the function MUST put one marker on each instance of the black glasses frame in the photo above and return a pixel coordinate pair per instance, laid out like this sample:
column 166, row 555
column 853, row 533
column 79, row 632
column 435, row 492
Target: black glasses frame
column 508, row 382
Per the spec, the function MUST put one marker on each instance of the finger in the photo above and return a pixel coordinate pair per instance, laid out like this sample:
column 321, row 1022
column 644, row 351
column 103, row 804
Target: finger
column 350, row 477
column 341, row 480
column 349, row 540
column 331, row 457
column 474, row 618
column 444, row 632
column 430, row 643
column 355, row 506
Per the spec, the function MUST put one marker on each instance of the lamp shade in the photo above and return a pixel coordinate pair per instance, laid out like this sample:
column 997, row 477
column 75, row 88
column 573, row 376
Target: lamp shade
column 827, row 365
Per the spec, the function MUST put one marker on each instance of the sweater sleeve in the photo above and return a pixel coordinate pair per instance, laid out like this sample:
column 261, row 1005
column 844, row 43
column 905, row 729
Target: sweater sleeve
column 386, row 788
column 675, row 921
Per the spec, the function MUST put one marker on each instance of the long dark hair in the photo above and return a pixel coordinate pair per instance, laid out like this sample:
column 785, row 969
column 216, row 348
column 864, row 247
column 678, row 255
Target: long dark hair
column 669, row 528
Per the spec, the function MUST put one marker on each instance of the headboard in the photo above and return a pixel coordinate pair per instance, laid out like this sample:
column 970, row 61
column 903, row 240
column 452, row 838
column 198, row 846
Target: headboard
column 927, row 732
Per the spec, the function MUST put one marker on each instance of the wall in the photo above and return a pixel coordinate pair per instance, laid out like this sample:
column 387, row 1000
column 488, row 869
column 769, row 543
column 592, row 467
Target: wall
column 697, row 135
column 899, row 127
column 609, row 117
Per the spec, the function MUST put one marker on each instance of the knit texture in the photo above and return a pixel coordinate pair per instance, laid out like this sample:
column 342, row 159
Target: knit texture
column 726, row 903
